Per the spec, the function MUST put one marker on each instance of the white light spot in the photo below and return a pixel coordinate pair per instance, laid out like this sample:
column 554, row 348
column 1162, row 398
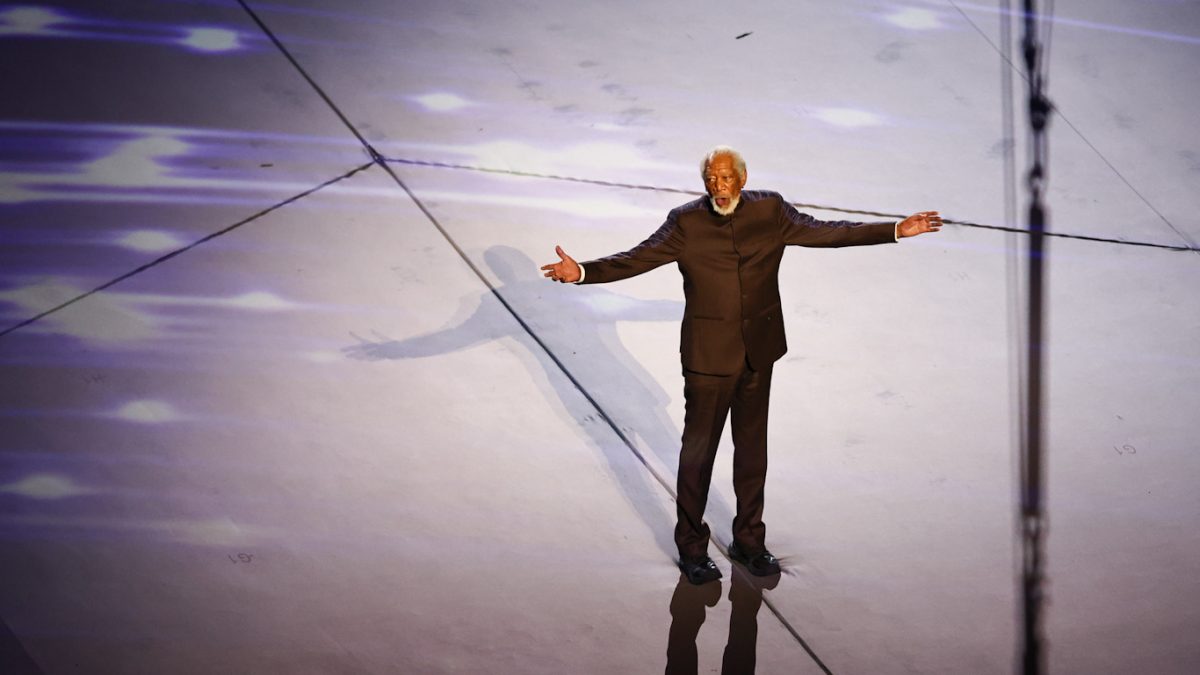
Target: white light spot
column 45, row 486
column 442, row 102
column 136, row 163
column 150, row 241
column 148, row 411
column 848, row 117
column 29, row 20
column 259, row 300
column 210, row 39
column 914, row 19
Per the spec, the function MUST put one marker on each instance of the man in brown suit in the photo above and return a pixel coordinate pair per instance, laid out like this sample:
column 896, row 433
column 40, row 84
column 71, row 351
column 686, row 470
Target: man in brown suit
column 728, row 247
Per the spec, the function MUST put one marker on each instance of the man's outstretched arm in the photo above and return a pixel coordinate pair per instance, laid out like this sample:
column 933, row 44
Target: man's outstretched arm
column 804, row 230
column 660, row 248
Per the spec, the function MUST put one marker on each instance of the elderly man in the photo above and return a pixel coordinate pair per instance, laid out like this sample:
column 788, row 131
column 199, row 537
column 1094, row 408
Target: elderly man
column 728, row 248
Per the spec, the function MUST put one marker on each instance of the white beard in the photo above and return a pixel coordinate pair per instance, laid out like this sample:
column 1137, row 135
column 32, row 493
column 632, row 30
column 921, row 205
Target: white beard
column 728, row 209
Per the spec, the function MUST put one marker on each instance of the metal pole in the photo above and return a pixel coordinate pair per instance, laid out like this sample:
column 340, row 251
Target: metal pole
column 1033, row 519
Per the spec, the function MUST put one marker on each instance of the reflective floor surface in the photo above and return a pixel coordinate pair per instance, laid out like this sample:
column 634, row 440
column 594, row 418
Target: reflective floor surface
column 282, row 389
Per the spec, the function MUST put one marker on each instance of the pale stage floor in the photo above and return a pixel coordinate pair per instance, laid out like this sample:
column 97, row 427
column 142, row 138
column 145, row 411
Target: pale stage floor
column 283, row 390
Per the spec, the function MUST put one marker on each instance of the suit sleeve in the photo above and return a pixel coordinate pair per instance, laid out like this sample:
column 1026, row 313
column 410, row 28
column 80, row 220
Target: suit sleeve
column 660, row 248
column 801, row 229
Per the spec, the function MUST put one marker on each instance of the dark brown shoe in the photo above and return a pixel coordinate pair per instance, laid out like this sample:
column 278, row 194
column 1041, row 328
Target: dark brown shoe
column 700, row 570
column 761, row 564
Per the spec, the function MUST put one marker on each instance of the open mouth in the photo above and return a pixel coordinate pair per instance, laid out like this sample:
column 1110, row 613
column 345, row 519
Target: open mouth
column 721, row 201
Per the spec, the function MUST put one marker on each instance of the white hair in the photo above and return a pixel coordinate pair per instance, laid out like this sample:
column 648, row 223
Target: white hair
column 739, row 164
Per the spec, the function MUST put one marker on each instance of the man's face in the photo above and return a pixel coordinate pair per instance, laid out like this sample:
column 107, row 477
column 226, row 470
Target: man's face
column 722, row 182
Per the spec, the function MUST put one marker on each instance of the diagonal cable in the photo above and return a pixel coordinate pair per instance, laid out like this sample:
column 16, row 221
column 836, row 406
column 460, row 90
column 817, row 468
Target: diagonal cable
column 165, row 257
column 1191, row 245
column 803, row 205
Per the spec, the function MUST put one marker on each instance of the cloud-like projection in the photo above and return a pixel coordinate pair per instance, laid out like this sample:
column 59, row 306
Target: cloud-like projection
column 29, row 20
column 259, row 300
column 914, row 18
column 148, row 411
column 210, row 39
column 136, row 162
column 849, row 117
column 221, row 531
column 442, row 102
column 112, row 317
column 151, row 241
column 45, row 486
column 45, row 22
column 148, row 166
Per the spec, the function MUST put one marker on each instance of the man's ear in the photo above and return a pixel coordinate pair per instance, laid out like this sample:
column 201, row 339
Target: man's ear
column 744, row 179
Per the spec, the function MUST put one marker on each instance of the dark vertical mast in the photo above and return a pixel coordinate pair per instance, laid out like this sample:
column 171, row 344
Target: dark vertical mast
column 1033, row 519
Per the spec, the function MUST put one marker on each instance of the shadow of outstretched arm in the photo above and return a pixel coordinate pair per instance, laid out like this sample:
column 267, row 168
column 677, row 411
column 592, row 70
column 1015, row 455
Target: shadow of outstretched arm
column 477, row 328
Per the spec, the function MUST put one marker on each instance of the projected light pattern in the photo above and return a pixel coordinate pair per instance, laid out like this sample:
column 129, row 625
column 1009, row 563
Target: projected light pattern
column 150, row 241
column 123, row 166
column 214, row 531
column 48, row 262
column 42, row 132
column 30, row 21
column 114, row 317
column 914, row 18
column 848, row 118
column 45, row 486
column 442, row 102
column 148, row 411
column 41, row 22
column 329, row 366
column 210, row 39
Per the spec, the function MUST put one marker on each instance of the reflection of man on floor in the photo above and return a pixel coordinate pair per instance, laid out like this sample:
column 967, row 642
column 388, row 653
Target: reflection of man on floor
column 728, row 248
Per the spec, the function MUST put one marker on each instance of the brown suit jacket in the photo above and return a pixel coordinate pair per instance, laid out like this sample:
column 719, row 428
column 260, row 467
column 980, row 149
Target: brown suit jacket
column 730, row 267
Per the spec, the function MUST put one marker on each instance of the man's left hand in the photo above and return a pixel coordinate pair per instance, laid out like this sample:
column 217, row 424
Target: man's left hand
column 919, row 223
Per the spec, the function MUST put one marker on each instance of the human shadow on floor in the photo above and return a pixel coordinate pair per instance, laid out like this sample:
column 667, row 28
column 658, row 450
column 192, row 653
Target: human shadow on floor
column 579, row 325
column 688, row 609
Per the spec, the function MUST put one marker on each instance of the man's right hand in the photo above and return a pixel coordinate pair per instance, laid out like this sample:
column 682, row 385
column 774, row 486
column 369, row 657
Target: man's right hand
column 566, row 270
